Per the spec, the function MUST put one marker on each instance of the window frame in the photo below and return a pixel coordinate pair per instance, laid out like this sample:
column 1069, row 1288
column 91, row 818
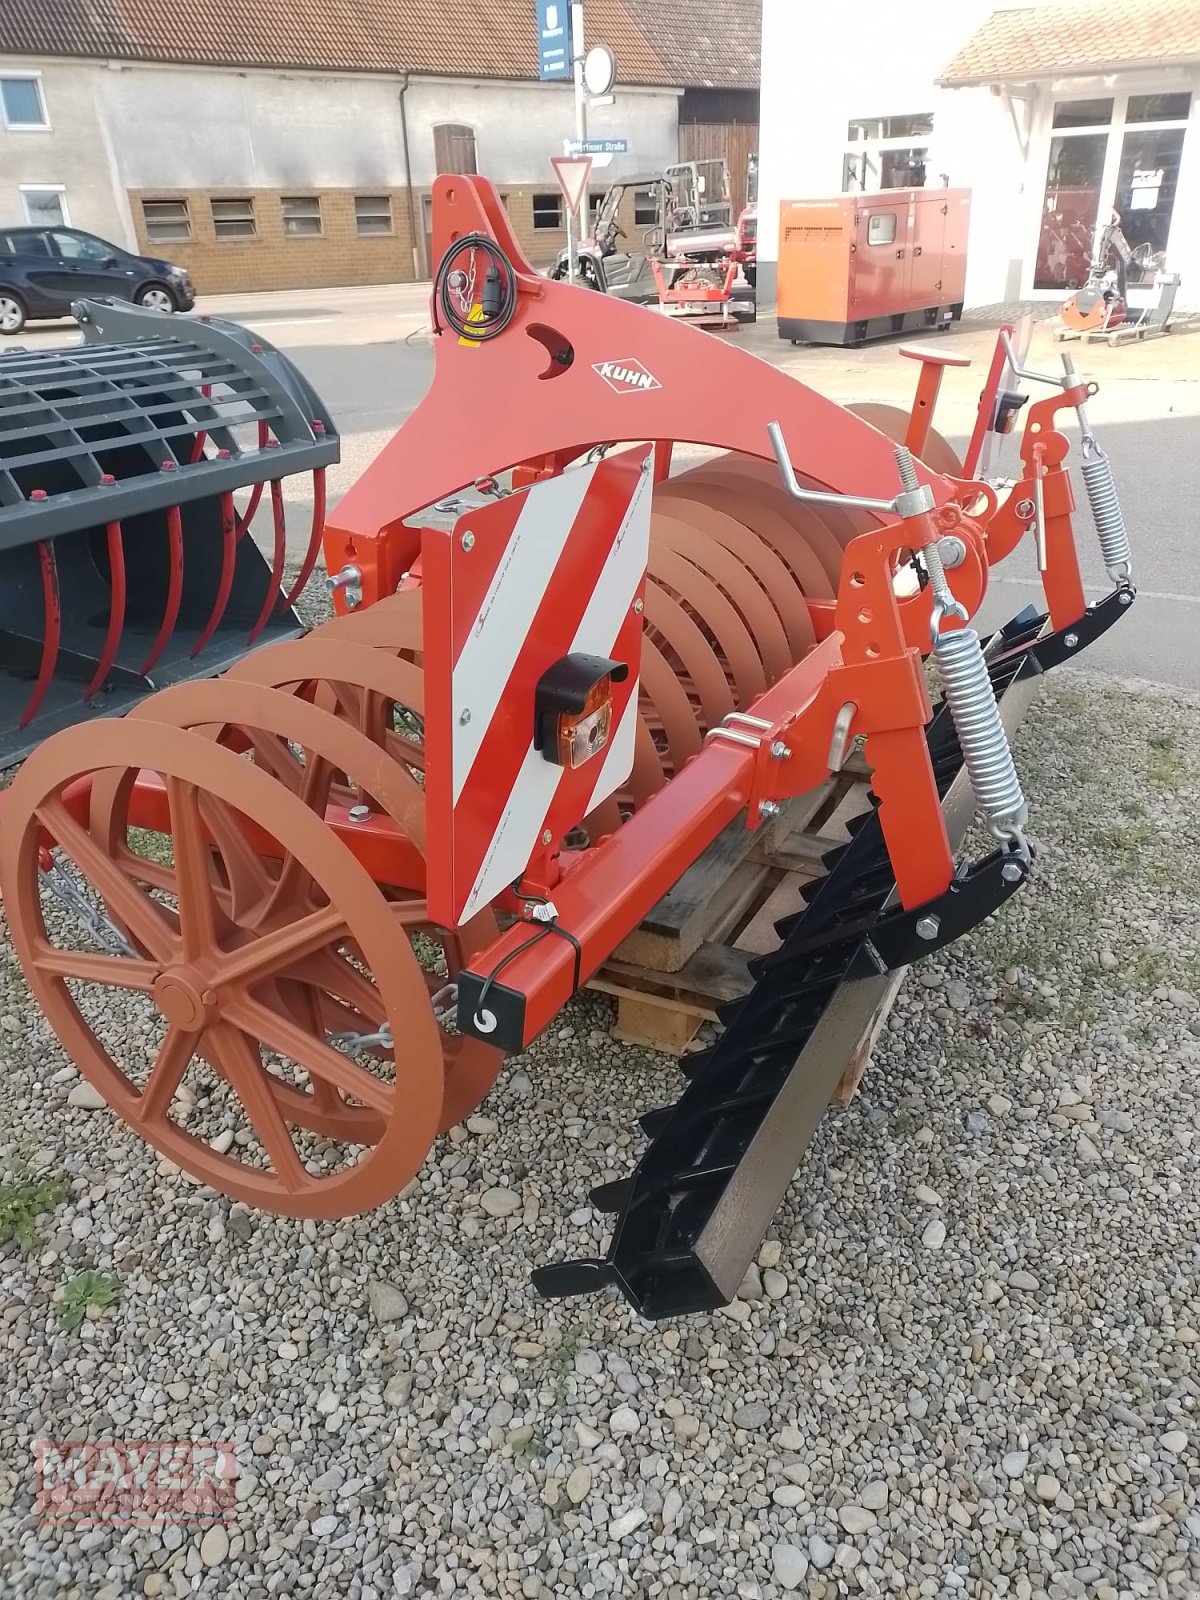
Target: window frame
column 232, row 200
column 148, row 224
column 546, row 195
column 881, row 215
column 317, row 216
column 389, row 215
column 60, row 189
column 26, row 127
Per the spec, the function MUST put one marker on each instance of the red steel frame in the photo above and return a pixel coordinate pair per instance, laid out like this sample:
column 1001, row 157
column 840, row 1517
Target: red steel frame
column 540, row 397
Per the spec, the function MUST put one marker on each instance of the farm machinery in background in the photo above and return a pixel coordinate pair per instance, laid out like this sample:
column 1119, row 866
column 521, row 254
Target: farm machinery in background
column 687, row 262
column 747, row 226
column 290, row 922
column 1128, row 290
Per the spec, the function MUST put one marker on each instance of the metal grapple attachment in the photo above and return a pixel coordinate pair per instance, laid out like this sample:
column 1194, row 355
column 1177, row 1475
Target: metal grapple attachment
column 125, row 561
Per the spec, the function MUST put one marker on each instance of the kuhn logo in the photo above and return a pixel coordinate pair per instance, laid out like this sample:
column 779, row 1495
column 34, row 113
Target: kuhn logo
column 626, row 377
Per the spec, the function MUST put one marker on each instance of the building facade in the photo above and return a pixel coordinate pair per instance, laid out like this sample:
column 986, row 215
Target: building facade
column 1053, row 114
column 262, row 150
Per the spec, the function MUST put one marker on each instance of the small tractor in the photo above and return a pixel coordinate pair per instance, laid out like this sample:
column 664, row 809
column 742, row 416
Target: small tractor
column 1128, row 289
column 291, row 921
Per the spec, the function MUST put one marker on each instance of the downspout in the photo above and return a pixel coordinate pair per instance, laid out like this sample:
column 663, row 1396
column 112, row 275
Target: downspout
column 412, row 202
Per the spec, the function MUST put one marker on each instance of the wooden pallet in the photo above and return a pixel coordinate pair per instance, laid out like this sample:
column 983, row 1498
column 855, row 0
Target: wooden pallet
column 690, row 954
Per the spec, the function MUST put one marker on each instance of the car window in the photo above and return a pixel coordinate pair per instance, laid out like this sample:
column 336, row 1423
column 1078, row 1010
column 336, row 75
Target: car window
column 80, row 247
column 28, row 244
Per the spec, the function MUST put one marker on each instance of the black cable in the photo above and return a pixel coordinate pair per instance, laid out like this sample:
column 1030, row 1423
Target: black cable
column 502, row 290
column 546, row 928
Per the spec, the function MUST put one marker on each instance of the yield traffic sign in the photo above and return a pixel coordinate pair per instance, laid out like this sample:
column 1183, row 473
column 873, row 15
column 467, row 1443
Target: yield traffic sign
column 572, row 173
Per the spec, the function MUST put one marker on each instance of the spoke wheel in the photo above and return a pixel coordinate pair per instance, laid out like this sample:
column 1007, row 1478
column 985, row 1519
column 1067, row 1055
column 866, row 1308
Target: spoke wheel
column 325, row 757
column 205, row 1019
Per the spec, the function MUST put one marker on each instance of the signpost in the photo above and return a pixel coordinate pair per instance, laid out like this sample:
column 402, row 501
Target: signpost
column 561, row 54
column 598, row 147
column 554, row 42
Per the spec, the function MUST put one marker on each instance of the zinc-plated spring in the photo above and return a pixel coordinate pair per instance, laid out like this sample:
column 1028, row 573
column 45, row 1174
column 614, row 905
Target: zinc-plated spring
column 981, row 734
column 1106, row 510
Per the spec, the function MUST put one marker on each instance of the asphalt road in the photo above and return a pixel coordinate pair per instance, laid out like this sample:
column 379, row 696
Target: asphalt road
column 368, row 354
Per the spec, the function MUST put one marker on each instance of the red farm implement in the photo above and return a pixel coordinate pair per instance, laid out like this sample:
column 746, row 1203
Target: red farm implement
column 346, row 879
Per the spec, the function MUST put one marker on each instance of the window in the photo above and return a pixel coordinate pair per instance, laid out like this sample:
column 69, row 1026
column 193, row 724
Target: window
column 862, row 129
column 1159, row 108
column 373, row 213
column 595, row 201
column 454, row 148
column 45, row 206
column 233, row 219
column 80, row 247
column 881, row 227
column 166, row 220
column 880, row 153
column 547, row 211
column 645, row 208
column 1083, row 113
column 301, row 216
column 25, row 244
column 22, row 103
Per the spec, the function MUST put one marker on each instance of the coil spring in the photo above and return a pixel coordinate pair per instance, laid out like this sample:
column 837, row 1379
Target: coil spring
column 1106, row 511
column 981, row 735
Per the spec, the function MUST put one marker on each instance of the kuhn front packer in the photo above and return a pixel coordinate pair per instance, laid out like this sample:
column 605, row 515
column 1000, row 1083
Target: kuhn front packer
column 289, row 922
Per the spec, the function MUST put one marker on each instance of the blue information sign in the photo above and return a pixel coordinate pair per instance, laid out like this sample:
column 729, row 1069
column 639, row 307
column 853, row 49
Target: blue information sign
column 554, row 38
column 598, row 147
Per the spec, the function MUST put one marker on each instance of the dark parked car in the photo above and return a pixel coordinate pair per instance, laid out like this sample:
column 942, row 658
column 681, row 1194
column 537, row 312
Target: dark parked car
column 43, row 269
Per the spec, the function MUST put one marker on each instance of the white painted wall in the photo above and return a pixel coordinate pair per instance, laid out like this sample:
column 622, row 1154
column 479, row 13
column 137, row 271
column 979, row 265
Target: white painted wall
column 73, row 152
column 817, row 75
column 120, row 126
column 822, row 67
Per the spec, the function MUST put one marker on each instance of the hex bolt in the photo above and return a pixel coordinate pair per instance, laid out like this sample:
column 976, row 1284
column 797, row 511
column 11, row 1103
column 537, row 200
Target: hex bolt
column 927, row 927
column 1071, row 640
column 780, row 751
column 464, row 716
column 953, row 551
column 1011, row 872
column 769, row 808
column 1125, row 597
column 468, row 540
column 359, row 813
column 547, row 837
column 639, row 606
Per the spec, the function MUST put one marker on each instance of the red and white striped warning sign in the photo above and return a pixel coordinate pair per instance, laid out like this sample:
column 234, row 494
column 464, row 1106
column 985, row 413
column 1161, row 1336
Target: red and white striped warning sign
column 553, row 571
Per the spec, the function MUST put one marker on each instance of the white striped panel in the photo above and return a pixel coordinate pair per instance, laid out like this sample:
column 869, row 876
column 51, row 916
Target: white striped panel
column 490, row 653
column 518, row 829
column 618, row 758
column 524, row 815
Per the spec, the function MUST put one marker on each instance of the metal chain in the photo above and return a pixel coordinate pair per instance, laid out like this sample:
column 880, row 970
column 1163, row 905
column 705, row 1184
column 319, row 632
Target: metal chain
column 445, row 1010
column 100, row 928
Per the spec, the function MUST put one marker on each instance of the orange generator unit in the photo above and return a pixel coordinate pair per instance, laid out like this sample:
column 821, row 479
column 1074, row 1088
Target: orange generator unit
column 861, row 266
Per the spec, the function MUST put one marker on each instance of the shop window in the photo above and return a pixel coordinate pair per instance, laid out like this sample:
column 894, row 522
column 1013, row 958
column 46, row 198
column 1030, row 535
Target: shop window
column 373, row 213
column 1083, row 113
column 301, row 216
column 22, row 103
column 1145, row 194
column 1159, row 107
column 454, row 148
column 234, row 219
column 166, row 221
column 881, row 227
column 547, row 210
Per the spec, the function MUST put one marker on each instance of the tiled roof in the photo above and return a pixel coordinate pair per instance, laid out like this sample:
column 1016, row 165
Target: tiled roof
column 716, row 44
column 1091, row 36
column 495, row 41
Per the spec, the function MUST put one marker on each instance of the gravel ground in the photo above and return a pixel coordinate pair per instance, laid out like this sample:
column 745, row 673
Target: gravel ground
column 965, row 1366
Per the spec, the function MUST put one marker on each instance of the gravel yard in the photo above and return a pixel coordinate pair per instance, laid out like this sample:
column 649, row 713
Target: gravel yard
column 966, row 1365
